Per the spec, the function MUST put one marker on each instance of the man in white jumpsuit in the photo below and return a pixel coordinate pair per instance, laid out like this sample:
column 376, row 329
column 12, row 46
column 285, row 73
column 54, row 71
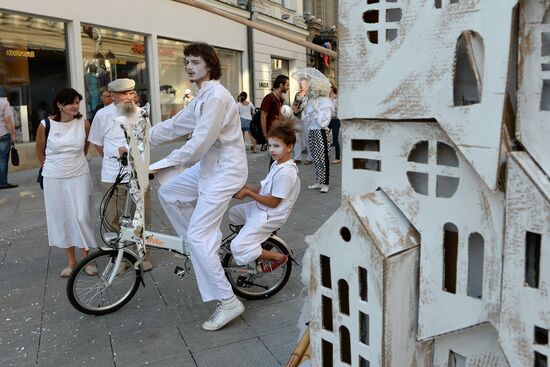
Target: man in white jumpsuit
column 217, row 164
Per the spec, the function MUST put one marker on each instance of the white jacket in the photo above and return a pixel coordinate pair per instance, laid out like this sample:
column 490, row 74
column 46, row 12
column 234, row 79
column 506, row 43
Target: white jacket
column 318, row 112
column 217, row 140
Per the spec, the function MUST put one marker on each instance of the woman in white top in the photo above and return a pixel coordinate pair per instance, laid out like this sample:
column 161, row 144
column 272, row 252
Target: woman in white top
column 246, row 110
column 67, row 181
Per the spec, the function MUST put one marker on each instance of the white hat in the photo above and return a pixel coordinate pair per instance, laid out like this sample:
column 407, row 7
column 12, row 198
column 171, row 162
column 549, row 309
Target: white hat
column 121, row 85
column 187, row 91
column 286, row 111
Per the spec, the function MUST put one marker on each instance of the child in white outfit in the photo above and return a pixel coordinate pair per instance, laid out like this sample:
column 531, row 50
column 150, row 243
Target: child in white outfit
column 272, row 204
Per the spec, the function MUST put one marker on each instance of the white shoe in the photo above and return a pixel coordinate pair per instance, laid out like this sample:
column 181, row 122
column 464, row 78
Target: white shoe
column 324, row 188
column 226, row 310
column 315, row 186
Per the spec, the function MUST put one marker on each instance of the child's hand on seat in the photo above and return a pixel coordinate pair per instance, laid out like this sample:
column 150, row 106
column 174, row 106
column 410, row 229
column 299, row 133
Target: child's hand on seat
column 241, row 194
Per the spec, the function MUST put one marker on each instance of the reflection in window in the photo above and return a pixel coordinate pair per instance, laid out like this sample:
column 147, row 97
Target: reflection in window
column 33, row 66
column 110, row 54
column 174, row 80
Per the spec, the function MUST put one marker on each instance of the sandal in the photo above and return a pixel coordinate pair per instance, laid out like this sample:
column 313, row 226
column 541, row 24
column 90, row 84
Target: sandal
column 66, row 272
column 91, row 270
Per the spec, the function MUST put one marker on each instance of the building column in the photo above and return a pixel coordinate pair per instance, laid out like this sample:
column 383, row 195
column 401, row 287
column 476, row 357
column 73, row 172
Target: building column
column 151, row 47
column 75, row 60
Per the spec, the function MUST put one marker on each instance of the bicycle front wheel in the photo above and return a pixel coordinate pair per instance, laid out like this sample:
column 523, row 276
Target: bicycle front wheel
column 91, row 294
column 258, row 285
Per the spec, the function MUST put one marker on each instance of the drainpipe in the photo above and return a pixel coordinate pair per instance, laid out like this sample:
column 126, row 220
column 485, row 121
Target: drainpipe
column 250, row 49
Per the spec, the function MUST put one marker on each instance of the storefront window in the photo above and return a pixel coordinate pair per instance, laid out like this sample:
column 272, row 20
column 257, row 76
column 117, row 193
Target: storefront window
column 174, row 81
column 280, row 67
column 110, row 54
column 33, row 66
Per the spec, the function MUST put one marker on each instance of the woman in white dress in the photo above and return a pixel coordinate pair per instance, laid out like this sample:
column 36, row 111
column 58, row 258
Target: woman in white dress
column 67, row 181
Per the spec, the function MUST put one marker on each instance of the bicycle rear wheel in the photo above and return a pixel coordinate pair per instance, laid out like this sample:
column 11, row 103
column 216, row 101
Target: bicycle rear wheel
column 258, row 285
column 92, row 295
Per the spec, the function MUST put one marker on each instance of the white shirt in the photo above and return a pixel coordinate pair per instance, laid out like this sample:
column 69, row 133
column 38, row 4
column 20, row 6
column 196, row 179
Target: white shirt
column 282, row 182
column 318, row 112
column 217, row 140
column 106, row 132
column 246, row 111
column 65, row 149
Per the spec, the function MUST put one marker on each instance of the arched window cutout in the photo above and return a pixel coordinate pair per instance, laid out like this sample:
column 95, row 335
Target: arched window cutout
column 468, row 70
column 419, row 153
column 446, row 155
column 546, row 17
column 450, row 256
column 476, row 246
column 343, row 296
column 345, row 345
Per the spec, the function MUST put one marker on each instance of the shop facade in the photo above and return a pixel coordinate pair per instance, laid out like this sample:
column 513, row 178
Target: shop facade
column 48, row 45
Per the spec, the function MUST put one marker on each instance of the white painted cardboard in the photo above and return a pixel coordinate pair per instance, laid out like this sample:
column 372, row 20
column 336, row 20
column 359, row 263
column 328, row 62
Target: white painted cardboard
column 479, row 345
column 533, row 127
column 524, row 307
column 472, row 209
column 411, row 77
column 386, row 245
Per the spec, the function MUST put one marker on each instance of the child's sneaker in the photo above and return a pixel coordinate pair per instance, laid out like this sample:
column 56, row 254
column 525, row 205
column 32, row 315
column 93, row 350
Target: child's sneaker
column 267, row 266
column 226, row 310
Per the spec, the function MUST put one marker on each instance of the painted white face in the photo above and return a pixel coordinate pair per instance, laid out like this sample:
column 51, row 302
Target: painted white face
column 276, row 148
column 196, row 68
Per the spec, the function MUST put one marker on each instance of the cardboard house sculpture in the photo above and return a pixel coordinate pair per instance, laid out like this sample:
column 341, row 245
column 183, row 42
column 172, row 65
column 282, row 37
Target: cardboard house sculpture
column 436, row 255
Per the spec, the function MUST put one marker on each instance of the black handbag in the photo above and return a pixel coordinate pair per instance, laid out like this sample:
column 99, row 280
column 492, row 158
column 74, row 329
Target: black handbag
column 40, row 178
column 14, row 156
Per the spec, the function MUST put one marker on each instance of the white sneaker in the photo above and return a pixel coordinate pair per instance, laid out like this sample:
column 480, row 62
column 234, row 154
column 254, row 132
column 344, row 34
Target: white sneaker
column 226, row 310
column 324, row 188
column 315, row 186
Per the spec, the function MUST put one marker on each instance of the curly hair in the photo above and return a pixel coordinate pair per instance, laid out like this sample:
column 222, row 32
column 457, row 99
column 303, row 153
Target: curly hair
column 207, row 52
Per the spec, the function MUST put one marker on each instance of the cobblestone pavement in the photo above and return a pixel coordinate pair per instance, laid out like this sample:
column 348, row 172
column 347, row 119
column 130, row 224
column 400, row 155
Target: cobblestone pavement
column 160, row 326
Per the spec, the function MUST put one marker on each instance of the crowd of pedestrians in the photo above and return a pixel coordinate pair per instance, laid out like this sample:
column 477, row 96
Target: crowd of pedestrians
column 196, row 199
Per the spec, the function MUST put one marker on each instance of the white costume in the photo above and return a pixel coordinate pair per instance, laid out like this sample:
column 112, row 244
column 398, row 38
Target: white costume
column 217, row 157
column 260, row 221
column 106, row 132
column 68, row 186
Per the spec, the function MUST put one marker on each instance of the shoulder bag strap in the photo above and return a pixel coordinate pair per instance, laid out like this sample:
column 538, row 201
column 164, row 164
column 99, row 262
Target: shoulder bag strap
column 47, row 120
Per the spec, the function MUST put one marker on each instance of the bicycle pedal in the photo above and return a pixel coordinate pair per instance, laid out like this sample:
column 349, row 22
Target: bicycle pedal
column 179, row 271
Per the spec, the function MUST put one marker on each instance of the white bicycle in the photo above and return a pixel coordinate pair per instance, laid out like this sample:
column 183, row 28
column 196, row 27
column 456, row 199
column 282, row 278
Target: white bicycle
column 119, row 271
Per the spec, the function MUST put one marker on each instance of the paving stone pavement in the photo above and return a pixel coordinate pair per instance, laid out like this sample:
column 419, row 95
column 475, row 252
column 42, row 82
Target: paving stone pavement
column 160, row 326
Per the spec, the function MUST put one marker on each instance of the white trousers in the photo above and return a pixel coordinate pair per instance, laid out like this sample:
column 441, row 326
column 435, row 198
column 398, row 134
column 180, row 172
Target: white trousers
column 297, row 152
column 200, row 226
column 246, row 246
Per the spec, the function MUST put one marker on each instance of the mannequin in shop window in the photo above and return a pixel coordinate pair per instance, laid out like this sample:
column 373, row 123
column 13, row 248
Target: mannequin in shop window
column 92, row 90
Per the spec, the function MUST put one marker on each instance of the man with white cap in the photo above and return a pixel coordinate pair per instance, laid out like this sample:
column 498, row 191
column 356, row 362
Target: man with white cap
column 110, row 142
column 216, row 158
column 187, row 97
